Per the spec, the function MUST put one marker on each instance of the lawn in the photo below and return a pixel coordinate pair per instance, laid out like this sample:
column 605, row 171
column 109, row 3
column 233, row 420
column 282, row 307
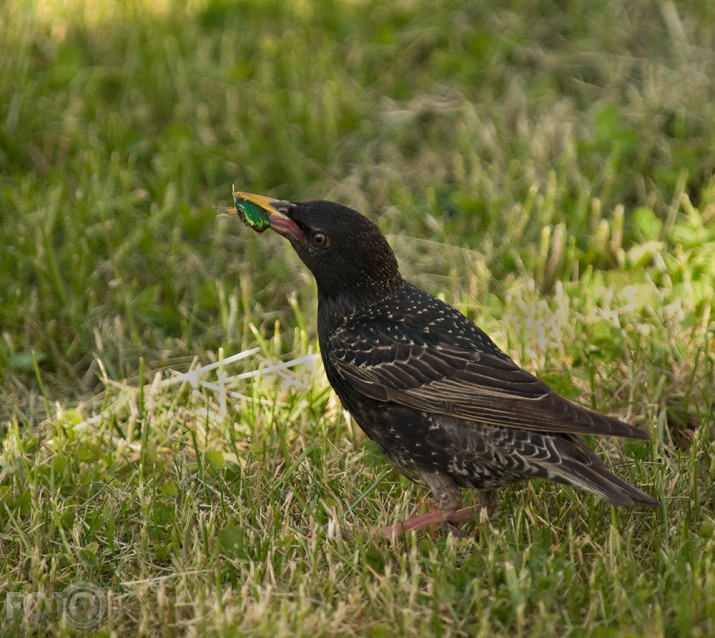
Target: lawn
column 173, row 460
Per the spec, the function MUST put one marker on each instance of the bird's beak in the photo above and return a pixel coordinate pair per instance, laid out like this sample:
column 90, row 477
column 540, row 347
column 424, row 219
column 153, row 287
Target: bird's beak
column 277, row 210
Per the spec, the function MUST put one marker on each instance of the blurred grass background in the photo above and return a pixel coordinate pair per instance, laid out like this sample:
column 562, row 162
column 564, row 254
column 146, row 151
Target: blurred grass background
column 547, row 166
column 124, row 127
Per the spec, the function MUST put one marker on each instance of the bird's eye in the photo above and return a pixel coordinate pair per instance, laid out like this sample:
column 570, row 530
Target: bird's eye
column 319, row 239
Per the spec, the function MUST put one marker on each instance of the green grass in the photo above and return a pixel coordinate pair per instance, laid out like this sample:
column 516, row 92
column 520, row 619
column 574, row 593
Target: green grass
column 545, row 166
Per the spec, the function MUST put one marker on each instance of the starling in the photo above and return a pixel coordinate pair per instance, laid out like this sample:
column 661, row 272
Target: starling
column 445, row 404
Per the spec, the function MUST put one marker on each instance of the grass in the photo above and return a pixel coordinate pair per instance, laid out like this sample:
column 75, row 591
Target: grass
column 546, row 168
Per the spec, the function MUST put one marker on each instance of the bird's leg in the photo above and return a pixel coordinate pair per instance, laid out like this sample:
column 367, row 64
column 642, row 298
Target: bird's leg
column 487, row 502
column 447, row 500
column 482, row 511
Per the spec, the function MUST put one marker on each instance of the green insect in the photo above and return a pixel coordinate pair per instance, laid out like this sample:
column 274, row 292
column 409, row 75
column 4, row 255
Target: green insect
column 251, row 215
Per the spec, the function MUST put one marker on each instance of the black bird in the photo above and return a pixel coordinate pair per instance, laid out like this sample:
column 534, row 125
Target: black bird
column 440, row 398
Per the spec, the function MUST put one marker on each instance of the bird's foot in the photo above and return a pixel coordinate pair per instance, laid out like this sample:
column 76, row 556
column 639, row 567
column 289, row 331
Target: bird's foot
column 449, row 519
column 445, row 518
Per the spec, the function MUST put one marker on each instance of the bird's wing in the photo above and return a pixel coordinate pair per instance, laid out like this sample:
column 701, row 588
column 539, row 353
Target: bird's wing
column 467, row 384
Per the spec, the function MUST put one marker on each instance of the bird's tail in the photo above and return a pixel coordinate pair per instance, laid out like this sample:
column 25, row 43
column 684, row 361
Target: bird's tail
column 580, row 467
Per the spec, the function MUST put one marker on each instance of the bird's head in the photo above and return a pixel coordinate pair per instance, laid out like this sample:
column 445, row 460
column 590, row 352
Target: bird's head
column 344, row 250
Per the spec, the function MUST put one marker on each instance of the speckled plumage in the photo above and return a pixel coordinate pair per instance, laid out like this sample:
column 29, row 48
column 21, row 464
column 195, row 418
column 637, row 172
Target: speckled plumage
column 424, row 382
